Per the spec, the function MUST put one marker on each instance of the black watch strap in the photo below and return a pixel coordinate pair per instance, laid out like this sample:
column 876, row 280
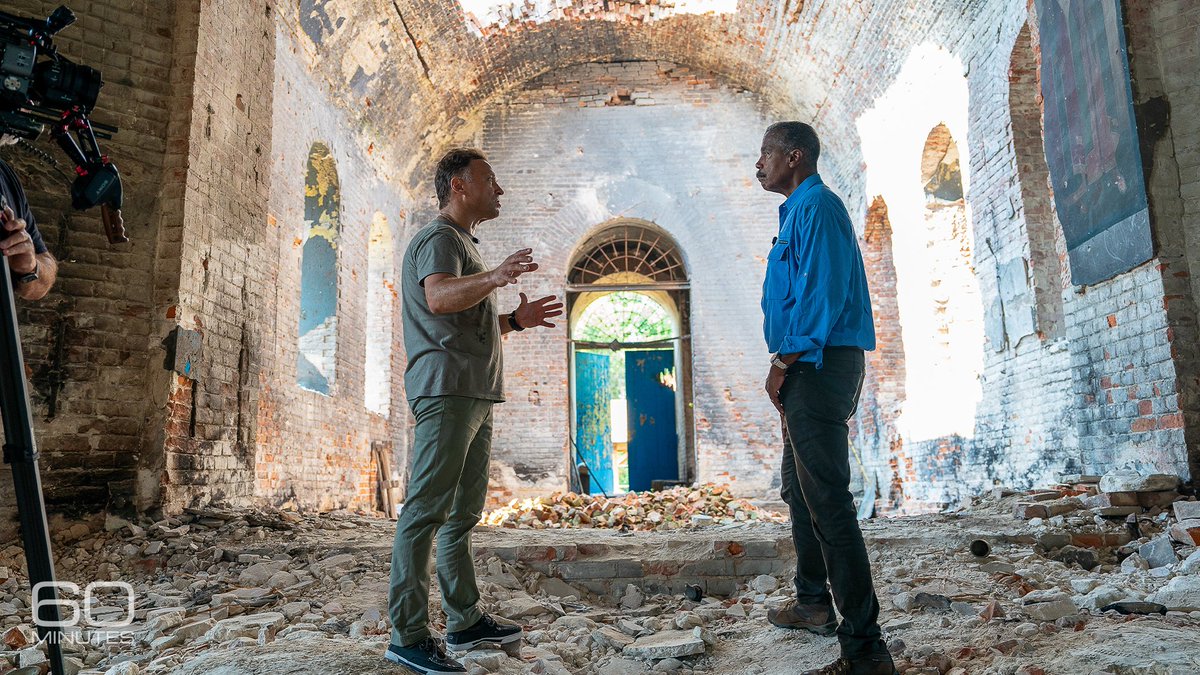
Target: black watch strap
column 512, row 321
column 27, row 277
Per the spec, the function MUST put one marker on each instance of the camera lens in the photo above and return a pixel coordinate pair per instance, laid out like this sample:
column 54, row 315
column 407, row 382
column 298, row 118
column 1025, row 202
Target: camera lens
column 62, row 84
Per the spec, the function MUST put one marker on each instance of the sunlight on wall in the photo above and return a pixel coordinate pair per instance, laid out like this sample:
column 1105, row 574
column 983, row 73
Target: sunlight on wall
column 941, row 314
column 483, row 14
column 381, row 294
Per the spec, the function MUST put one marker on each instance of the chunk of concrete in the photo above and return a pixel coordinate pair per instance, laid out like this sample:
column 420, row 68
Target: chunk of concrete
column 1181, row 594
column 1134, row 563
column 1158, row 552
column 765, row 583
column 1049, row 605
column 1099, row 597
column 193, row 630
column 520, row 607
column 1186, row 532
column 557, row 588
column 1128, row 480
column 633, row 597
column 1192, row 564
column 33, row 657
column 664, row 645
column 246, row 625
column 611, row 637
column 259, row 573
column 620, row 666
column 1187, row 510
column 998, row 567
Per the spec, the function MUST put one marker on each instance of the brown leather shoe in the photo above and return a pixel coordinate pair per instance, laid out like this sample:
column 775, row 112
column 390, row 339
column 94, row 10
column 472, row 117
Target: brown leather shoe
column 816, row 618
column 875, row 664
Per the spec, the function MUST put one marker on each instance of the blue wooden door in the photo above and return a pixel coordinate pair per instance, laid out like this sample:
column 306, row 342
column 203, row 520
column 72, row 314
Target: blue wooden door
column 653, row 443
column 593, row 419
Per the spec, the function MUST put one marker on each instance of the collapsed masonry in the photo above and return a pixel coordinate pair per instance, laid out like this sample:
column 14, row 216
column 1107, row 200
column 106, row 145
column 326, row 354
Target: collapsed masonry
column 262, row 591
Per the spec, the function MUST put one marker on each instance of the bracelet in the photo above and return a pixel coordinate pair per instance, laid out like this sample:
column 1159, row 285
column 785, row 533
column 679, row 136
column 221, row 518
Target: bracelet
column 512, row 321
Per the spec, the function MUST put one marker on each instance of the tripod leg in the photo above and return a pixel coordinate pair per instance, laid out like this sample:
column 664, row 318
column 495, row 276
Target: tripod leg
column 20, row 450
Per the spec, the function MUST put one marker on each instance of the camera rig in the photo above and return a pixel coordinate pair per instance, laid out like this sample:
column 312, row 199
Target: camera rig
column 38, row 88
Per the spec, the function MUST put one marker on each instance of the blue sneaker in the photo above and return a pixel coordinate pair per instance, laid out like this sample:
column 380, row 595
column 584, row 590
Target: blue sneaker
column 485, row 632
column 425, row 657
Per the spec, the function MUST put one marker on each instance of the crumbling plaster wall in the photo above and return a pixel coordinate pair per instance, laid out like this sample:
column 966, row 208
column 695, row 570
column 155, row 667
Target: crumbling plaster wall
column 224, row 138
column 312, row 448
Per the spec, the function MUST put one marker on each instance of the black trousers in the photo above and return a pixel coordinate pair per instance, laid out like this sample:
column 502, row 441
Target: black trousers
column 830, row 553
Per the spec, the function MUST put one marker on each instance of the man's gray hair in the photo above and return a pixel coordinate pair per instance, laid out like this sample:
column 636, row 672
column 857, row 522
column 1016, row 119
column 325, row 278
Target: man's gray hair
column 789, row 136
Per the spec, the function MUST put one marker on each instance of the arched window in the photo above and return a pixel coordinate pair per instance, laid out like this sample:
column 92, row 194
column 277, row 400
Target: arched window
column 624, row 316
column 316, row 360
column 1047, row 250
column 381, row 293
column 628, row 251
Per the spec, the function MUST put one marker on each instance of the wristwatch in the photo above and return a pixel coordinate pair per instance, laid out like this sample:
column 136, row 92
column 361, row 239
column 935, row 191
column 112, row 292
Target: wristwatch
column 778, row 362
column 512, row 321
column 27, row 277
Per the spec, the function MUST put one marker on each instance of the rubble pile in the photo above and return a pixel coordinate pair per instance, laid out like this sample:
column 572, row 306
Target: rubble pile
column 213, row 585
column 264, row 591
column 1092, row 550
column 636, row 511
column 1142, row 521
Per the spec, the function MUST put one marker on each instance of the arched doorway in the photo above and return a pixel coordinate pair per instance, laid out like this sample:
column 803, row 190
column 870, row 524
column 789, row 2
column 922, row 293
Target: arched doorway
column 627, row 294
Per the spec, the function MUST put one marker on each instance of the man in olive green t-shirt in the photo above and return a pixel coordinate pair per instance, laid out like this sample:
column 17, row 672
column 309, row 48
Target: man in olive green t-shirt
column 452, row 335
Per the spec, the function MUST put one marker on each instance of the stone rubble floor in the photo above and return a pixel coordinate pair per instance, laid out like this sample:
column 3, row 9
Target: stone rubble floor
column 279, row 592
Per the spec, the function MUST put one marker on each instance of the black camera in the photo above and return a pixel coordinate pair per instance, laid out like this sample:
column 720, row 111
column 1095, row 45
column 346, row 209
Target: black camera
column 40, row 88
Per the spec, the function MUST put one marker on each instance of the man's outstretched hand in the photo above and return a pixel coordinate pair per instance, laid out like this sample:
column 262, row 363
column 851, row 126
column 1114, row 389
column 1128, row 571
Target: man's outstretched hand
column 514, row 266
column 536, row 313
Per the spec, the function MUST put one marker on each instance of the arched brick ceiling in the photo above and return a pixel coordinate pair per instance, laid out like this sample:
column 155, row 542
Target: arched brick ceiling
column 416, row 74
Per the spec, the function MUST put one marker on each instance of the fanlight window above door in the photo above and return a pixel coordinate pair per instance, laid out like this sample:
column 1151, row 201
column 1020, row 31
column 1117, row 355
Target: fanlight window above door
column 628, row 249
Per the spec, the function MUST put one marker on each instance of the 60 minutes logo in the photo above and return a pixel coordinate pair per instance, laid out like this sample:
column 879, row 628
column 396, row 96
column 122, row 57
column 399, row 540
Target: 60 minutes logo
column 78, row 611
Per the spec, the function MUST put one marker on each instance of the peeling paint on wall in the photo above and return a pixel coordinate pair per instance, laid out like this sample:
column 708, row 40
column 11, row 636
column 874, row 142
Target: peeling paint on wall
column 487, row 16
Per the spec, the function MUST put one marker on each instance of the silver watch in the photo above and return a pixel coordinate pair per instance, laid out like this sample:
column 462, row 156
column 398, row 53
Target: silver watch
column 778, row 362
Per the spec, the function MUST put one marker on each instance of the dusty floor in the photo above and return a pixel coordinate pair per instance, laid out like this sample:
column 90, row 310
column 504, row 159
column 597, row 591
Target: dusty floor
column 314, row 589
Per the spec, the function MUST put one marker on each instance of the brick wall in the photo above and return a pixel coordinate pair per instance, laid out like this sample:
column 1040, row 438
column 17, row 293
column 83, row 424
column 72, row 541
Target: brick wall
column 225, row 142
column 315, row 449
column 90, row 343
column 883, row 386
column 828, row 64
column 1163, row 41
column 583, row 146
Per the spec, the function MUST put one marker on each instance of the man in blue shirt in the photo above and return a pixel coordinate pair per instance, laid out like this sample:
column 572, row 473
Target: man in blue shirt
column 817, row 322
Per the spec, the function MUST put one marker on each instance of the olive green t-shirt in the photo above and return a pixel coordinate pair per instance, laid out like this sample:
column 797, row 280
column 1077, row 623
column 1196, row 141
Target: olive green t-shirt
column 455, row 354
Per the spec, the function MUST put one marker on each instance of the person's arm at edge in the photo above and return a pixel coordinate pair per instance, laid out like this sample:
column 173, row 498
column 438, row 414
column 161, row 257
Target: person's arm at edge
column 47, row 269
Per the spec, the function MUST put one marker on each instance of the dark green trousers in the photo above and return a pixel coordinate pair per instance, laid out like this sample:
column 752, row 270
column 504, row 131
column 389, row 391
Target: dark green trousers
column 446, row 491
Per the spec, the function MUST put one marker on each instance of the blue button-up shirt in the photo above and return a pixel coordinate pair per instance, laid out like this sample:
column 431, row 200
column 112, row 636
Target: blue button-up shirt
column 815, row 293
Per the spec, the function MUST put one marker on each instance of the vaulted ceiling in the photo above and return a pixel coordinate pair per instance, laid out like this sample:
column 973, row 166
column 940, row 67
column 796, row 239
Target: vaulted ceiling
column 417, row 71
